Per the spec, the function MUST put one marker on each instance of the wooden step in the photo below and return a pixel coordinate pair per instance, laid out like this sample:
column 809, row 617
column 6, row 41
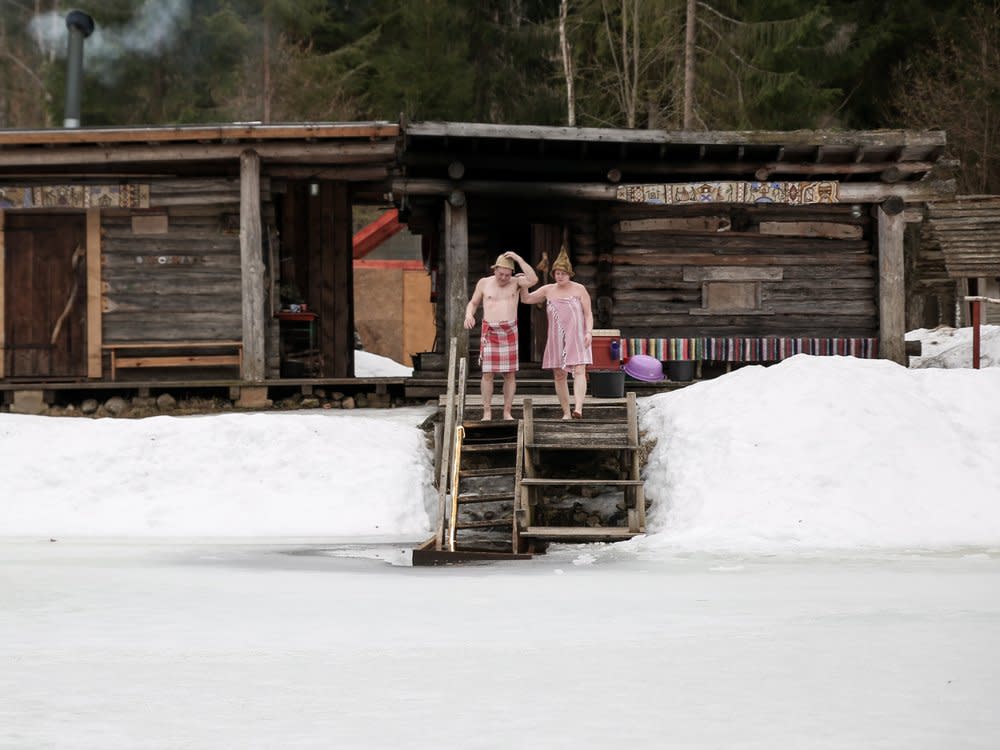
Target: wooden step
column 496, row 497
column 484, row 524
column 577, row 533
column 580, row 445
column 547, row 482
column 489, row 447
column 497, row 471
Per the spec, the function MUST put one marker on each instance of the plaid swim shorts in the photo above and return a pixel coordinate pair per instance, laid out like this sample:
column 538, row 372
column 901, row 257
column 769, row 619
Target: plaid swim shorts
column 498, row 346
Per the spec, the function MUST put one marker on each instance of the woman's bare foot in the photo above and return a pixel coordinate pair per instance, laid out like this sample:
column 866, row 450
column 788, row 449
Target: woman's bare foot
column 578, row 415
column 487, row 417
column 567, row 416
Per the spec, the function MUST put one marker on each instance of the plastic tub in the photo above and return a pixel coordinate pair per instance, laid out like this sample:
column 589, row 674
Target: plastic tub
column 607, row 383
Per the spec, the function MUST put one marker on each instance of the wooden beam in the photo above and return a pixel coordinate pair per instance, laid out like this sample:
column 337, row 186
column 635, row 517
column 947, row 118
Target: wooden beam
column 3, row 304
column 321, row 153
column 868, row 138
column 94, row 307
column 456, row 266
column 200, row 133
column 855, row 192
column 252, row 265
column 360, row 173
column 370, row 237
column 892, row 293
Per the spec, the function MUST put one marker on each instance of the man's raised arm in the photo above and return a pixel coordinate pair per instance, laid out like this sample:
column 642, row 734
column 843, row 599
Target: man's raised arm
column 529, row 273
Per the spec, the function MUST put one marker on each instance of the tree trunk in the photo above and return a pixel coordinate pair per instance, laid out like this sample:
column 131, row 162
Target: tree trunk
column 689, row 65
column 567, row 64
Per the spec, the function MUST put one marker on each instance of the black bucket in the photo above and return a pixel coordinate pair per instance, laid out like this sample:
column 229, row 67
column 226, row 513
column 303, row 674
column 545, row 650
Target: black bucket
column 607, row 384
column 681, row 370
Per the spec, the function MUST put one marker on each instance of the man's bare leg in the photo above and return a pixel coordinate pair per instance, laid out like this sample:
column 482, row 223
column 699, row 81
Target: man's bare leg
column 509, row 386
column 579, row 388
column 486, row 391
column 562, row 391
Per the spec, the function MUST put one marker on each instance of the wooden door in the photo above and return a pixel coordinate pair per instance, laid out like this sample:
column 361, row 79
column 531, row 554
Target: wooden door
column 545, row 242
column 45, row 295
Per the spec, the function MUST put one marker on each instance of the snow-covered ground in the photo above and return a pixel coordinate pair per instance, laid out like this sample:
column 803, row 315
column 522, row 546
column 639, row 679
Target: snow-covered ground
column 822, row 571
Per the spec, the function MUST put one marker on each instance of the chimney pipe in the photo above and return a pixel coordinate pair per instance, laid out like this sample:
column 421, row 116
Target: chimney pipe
column 80, row 26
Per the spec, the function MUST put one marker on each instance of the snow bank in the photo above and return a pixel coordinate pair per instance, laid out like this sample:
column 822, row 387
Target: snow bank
column 368, row 365
column 826, row 452
column 273, row 475
column 952, row 347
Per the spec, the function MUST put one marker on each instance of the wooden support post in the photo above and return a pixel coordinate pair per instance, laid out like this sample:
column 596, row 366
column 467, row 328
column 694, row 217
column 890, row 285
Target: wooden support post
column 456, row 265
column 892, row 294
column 341, row 281
column 977, row 311
column 94, row 310
column 252, row 264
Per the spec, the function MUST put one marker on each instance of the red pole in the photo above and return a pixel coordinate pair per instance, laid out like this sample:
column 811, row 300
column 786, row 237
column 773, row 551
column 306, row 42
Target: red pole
column 976, row 314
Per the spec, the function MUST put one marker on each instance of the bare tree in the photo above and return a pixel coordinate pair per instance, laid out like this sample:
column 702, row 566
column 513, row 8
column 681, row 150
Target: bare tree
column 689, row 37
column 567, row 60
column 956, row 87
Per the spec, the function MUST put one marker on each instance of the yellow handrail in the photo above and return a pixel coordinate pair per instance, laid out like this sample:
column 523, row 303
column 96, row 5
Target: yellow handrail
column 456, row 463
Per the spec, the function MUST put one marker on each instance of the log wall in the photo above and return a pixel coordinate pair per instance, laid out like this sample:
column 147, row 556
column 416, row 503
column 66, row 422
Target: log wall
column 172, row 272
column 813, row 270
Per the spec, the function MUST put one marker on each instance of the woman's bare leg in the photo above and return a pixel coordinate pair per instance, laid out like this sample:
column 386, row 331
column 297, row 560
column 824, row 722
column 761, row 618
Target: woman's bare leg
column 562, row 391
column 579, row 388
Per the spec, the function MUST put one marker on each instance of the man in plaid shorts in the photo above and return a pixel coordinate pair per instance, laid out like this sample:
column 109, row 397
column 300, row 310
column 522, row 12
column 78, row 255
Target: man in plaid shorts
column 499, row 295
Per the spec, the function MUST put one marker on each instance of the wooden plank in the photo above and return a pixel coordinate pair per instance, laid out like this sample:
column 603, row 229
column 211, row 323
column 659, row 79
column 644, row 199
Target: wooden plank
column 728, row 273
column 157, row 326
column 319, row 153
column 892, row 294
column 179, row 360
column 424, row 556
column 200, row 344
column 3, row 305
column 456, row 265
column 677, row 224
column 94, row 307
column 579, row 533
column 851, row 139
column 252, row 260
column 827, row 229
column 636, row 509
column 159, row 133
column 566, row 482
column 448, row 439
column 518, row 513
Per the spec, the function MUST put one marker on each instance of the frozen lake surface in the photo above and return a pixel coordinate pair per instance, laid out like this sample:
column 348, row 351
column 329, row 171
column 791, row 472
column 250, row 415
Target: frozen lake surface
column 228, row 645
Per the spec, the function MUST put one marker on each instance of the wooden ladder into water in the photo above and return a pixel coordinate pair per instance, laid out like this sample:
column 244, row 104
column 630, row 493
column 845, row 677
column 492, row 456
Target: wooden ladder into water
column 498, row 481
column 605, row 458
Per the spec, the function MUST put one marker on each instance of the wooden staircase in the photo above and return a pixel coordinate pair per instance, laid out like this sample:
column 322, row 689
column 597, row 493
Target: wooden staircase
column 603, row 456
column 508, row 488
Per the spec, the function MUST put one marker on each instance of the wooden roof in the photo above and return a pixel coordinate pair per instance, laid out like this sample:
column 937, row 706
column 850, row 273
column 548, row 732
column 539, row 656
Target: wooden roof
column 585, row 154
column 967, row 230
column 93, row 149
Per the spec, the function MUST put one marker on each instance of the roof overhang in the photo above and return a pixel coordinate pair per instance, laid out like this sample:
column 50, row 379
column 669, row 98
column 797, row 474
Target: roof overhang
column 512, row 152
column 198, row 146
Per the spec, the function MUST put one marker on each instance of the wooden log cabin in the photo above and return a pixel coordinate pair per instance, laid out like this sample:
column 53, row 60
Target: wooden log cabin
column 157, row 253
column 721, row 247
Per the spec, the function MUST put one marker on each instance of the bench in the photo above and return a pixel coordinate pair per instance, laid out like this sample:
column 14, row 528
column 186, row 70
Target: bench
column 135, row 354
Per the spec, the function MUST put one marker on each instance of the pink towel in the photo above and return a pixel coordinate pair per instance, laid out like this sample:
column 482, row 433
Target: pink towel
column 565, row 348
